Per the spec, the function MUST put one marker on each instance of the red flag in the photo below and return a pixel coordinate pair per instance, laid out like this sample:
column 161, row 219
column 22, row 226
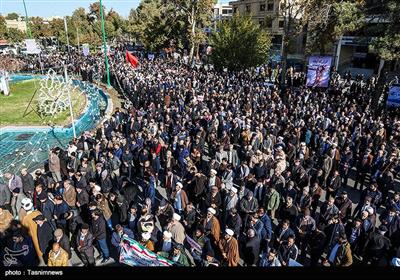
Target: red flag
column 133, row 60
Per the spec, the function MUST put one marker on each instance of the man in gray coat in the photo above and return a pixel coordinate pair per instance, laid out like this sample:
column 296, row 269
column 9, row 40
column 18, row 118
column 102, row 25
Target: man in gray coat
column 28, row 183
column 16, row 202
column 14, row 181
column 5, row 196
column 84, row 244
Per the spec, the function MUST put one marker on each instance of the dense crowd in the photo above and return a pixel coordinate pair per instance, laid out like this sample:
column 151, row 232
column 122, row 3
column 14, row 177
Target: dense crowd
column 255, row 175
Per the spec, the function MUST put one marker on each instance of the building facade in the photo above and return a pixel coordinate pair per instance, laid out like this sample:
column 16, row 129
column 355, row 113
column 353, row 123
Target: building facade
column 17, row 24
column 265, row 13
column 222, row 12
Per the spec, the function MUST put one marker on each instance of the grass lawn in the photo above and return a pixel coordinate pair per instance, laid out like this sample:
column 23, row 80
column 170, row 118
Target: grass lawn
column 12, row 107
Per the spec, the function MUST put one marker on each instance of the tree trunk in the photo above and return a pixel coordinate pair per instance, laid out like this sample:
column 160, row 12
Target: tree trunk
column 284, row 59
column 193, row 34
column 380, row 87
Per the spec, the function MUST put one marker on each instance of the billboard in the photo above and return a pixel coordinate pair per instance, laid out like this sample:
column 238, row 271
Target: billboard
column 394, row 96
column 318, row 71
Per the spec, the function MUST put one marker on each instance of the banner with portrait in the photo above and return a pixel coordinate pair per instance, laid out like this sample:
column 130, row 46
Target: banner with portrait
column 393, row 99
column 318, row 71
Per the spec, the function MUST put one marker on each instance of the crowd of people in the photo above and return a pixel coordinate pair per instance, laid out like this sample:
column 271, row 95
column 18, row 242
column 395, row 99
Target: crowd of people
column 255, row 175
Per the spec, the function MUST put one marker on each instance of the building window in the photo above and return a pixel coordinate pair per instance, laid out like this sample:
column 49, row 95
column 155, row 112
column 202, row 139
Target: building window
column 269, row 24
column 262, row 7
column 261, row 22
column 281, row 23
column 224, row 12
column 270, row 7
column 248, row 8
column 234, row 10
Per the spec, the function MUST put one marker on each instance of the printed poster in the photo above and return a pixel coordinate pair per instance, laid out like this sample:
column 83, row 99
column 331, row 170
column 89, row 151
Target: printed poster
column 318, row 71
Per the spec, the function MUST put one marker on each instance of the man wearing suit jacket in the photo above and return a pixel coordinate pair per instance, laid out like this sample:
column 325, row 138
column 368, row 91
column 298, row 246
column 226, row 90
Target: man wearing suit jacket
column 328, row 210
column 333, row 184
column 61, row 238
column 344, row 203
column 118, row 234
column 84, row 244
column 283, row 232
column 259, row 191
column 232, row 156
column 221, row 154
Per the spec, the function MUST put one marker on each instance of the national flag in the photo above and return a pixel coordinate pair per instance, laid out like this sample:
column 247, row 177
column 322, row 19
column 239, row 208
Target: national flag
column 134, row 254
column 133, row 60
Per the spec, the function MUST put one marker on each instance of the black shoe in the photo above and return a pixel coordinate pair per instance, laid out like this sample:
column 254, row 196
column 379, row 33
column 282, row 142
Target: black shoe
column 105, row 260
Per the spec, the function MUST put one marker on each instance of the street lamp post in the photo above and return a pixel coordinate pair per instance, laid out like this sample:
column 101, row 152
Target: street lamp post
column 104, row 44
column 66, row 33
column 70, row 102
column 28, row 30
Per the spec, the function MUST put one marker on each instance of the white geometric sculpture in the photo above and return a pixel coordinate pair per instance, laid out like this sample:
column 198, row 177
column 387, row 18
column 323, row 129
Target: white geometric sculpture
column 53, row 96
column 4, row 83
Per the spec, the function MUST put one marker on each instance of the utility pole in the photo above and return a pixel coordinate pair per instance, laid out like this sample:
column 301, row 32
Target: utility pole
column 77, row 37
column 104, row 44
column 28, row 30
column 66, row 32
column 70, row 101
column 338, row 49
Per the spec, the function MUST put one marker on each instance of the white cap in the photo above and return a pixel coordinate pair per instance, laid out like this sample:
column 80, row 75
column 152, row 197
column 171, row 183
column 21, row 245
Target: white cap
column 229, row 231
column 211, row 210
column 214, row 171
column 26, row 204
column 167, row 234
column 233, row 189
column 370, row 210
column 176, row 217
column 146, row 235
column 179, row 184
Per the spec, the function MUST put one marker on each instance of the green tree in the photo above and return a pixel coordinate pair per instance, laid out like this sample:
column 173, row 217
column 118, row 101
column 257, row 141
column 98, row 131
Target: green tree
column 80, row 21
column 12, row 16
column 14, row 35
column 327, row 20
column 387, row 45
column 294, row 18
column 239, row 43
column 156, row 23
column 197, row 14
column 56, row 29
column 39, row 27
column 3, row 27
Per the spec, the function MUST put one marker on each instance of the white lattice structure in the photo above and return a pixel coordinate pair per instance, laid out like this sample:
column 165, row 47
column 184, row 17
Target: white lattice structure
column 53, row 96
